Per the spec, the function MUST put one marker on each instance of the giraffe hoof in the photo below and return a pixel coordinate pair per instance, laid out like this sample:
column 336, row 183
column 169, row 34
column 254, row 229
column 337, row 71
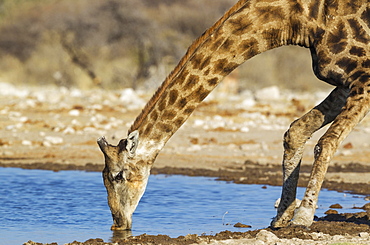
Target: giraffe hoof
column 277, row 224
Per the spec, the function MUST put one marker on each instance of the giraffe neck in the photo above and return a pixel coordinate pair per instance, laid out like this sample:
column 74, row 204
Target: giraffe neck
column 247, row 29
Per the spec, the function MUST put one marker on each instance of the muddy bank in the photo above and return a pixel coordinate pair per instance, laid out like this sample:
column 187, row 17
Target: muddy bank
column 353, row 228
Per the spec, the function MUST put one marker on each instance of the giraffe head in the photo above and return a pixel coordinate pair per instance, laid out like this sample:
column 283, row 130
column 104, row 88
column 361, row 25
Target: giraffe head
column 125, row 178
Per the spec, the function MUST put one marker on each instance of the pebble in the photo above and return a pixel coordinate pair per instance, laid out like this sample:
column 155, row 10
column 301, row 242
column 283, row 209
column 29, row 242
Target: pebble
column 55, row 140
column 74, row 113
column 26, row 142
column 364, row 234
column 69, row 130
column 337, row 205
column 268, row 94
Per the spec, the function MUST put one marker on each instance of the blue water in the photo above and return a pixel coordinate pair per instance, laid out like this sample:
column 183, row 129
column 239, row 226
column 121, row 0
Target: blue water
column 46, row 206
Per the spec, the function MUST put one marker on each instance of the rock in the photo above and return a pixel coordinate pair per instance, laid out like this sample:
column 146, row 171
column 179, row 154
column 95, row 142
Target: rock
column 268, row 94
column 247, row 103
column 26, row 142
column 337, row 238
column 74, row 112
column 348, row 146
column 69, row 130
column 366, row 206
column 337, row 206
column 131, row 100
column 331, row 211
column 317, row 235
column 240, row 225
column 267, row 237
column 55, row 140
column 244, row 129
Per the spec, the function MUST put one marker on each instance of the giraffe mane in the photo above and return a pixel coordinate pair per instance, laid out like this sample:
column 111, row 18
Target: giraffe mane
column 184, row 60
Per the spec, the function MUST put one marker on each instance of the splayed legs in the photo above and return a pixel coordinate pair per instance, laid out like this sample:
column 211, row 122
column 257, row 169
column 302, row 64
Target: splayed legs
column 294, row 140
column 357, row 106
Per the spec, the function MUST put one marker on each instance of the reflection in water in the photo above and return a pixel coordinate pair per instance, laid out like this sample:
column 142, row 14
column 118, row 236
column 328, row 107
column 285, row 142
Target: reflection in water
column 119, row 235
column 46, row 206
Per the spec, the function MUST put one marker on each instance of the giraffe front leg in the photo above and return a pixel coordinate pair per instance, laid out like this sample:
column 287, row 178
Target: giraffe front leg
column 356, row 108
column 294, row 140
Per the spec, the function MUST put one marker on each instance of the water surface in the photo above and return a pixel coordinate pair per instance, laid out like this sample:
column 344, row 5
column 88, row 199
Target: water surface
column 46, row 206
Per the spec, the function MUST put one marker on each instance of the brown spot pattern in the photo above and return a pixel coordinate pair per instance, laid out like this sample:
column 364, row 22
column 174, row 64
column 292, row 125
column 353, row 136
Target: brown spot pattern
column 162, row 104
column 165, row 127
column 351, row 7
column 182, row 76
column 314, row 10
column 212, row 82
column 182, row 103
column 191, row 82
column 296, row 7
column 227, row 45
column 366, row 63
column 154, row 115
column 357, row 51
column 179, row 121
column 270, row 13
column 240, row 25
column 249, row 48
column 337, row 40
column 358, row 32
column 347, row 64
column 196, row 61
column 365, row 16
column 173, row 97
column 168, row 114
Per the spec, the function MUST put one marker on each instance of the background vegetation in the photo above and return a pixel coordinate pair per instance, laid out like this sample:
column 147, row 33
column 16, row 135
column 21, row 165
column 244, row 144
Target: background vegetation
column 123, row 43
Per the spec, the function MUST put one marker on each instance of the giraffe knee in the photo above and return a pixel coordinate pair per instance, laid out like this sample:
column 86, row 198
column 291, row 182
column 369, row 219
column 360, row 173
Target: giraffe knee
column 292, row 137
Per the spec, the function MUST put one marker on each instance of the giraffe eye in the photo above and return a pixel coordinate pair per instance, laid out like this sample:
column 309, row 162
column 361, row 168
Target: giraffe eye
column 119, row 177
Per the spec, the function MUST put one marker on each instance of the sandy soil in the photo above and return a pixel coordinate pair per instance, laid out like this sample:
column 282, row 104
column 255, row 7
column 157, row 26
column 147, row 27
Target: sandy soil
column 234, row 137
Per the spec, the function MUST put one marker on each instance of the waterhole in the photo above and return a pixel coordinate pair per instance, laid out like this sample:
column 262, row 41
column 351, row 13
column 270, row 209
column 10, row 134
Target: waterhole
column 46, row 206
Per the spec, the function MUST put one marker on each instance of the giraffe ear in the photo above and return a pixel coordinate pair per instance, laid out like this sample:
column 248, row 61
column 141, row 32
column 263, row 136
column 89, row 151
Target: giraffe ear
column 132, row 142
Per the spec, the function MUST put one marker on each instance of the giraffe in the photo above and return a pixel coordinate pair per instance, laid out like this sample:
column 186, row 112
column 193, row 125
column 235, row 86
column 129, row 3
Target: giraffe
column 338, row 36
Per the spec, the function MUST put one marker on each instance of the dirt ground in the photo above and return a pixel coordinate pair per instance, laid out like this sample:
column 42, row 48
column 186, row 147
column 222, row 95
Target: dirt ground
column 232, row 137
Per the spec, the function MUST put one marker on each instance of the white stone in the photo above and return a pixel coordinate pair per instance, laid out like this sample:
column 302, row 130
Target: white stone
column 54, row 140
column 268, row 94
column 23, row 119
column 194, row 148
column 267, row 237
column 131, row 100
column 26, row 142
column 364, row 234
column 10, row 90
column 74, row 112
column 69, row 130
column 337, row 237
column 247, row 103
column 198, row 123
column 244, row 129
